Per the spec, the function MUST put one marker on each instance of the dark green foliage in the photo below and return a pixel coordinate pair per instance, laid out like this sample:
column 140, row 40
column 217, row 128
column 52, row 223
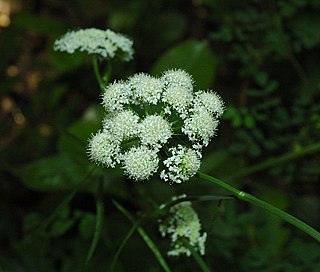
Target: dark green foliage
column 261, row 56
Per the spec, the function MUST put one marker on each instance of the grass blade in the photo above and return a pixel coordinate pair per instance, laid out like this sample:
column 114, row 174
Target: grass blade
column 145, row 237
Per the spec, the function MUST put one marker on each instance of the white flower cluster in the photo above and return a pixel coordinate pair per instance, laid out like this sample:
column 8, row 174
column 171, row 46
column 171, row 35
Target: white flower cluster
column 105, row 43
column 149, row 118
column 183, row 227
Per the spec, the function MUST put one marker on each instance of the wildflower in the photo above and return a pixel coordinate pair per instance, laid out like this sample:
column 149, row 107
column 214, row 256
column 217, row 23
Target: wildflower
column 140, row 163
column 105, row 43
column 157, row 117
column 146, row 89
column 211, row 101
column 182, row 165
column 103, row 149
column 116, row 96
column 178, row 97
column 178, row 77
column 183, row 227
column 122, row 125
column 154, row 130
column 200, row 126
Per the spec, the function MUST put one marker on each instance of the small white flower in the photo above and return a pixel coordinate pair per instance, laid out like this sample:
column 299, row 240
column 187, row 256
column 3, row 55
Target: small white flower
column 154, row 130
column 122, row 125
column 178, row 77
column 140, row 163
column 105, row 43
column 182, row 165
column 178, row 97
column 211, row 101
column 116, row 96
column 200, row 126
column 182, row 225
column 146, row 88
column 103, row 150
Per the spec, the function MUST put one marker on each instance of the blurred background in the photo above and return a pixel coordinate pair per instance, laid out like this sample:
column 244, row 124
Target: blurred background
column 262, row 57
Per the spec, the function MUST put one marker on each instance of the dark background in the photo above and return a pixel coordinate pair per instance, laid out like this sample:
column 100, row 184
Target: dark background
column 262, row 57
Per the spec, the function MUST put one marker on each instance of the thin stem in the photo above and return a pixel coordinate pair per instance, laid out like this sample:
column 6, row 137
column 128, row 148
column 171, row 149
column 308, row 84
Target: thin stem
column 99, row 220
column 145, row 237
column 168, row 205
column 123, row 243
column 107, row 74
column 199, row 260
column 262, row 204
column 275, row 161
column 97, row 72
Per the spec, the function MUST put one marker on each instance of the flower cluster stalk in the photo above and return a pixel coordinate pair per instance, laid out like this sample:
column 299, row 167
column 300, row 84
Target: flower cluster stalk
column 262, row 204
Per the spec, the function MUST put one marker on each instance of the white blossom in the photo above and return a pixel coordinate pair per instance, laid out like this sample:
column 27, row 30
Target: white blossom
column 122, row 125
column 182, row 225
column 140, row 163
column 178, row 77
column 150, row 116
column 154, row 130
column 146, row 88
column 183, row 164
column 105, row 43
column 211, row 101
column 178, row 97
column 116, row 96
column 103, row 149
column 200, row 126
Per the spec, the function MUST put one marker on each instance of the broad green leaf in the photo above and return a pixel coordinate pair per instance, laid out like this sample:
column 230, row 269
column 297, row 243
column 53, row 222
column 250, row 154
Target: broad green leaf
column 195, row 57
column 58, row 172
column 75, row 138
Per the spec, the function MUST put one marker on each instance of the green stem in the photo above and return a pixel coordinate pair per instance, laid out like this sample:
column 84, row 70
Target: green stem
column 199, row 260
column 99, row 221
column 275, row 161
column 107, row 74
column 97, row 72
column 145, row 237
column 262, row 204
column 170, row 204
column 124, row 242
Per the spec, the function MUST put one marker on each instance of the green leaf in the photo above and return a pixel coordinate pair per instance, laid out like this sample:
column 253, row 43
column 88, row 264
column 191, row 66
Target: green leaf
column 58, row 172
column 195, row 57
column 75, row 138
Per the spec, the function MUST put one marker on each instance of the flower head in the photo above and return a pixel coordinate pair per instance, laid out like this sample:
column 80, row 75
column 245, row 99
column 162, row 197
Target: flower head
column 211, row 101
column 103, row 149
column 139, row 163
column 105, row 43
column 154, row 130
column 178, row 77
column 146, row 88
column 157, row 117
column 178, row 97
column 183, row 164
column 183, row 227
column 116, row 96
column 122, row 125
column 200, row 126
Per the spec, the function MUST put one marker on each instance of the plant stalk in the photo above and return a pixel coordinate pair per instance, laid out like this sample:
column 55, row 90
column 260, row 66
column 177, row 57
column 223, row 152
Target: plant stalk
column 262, row 204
